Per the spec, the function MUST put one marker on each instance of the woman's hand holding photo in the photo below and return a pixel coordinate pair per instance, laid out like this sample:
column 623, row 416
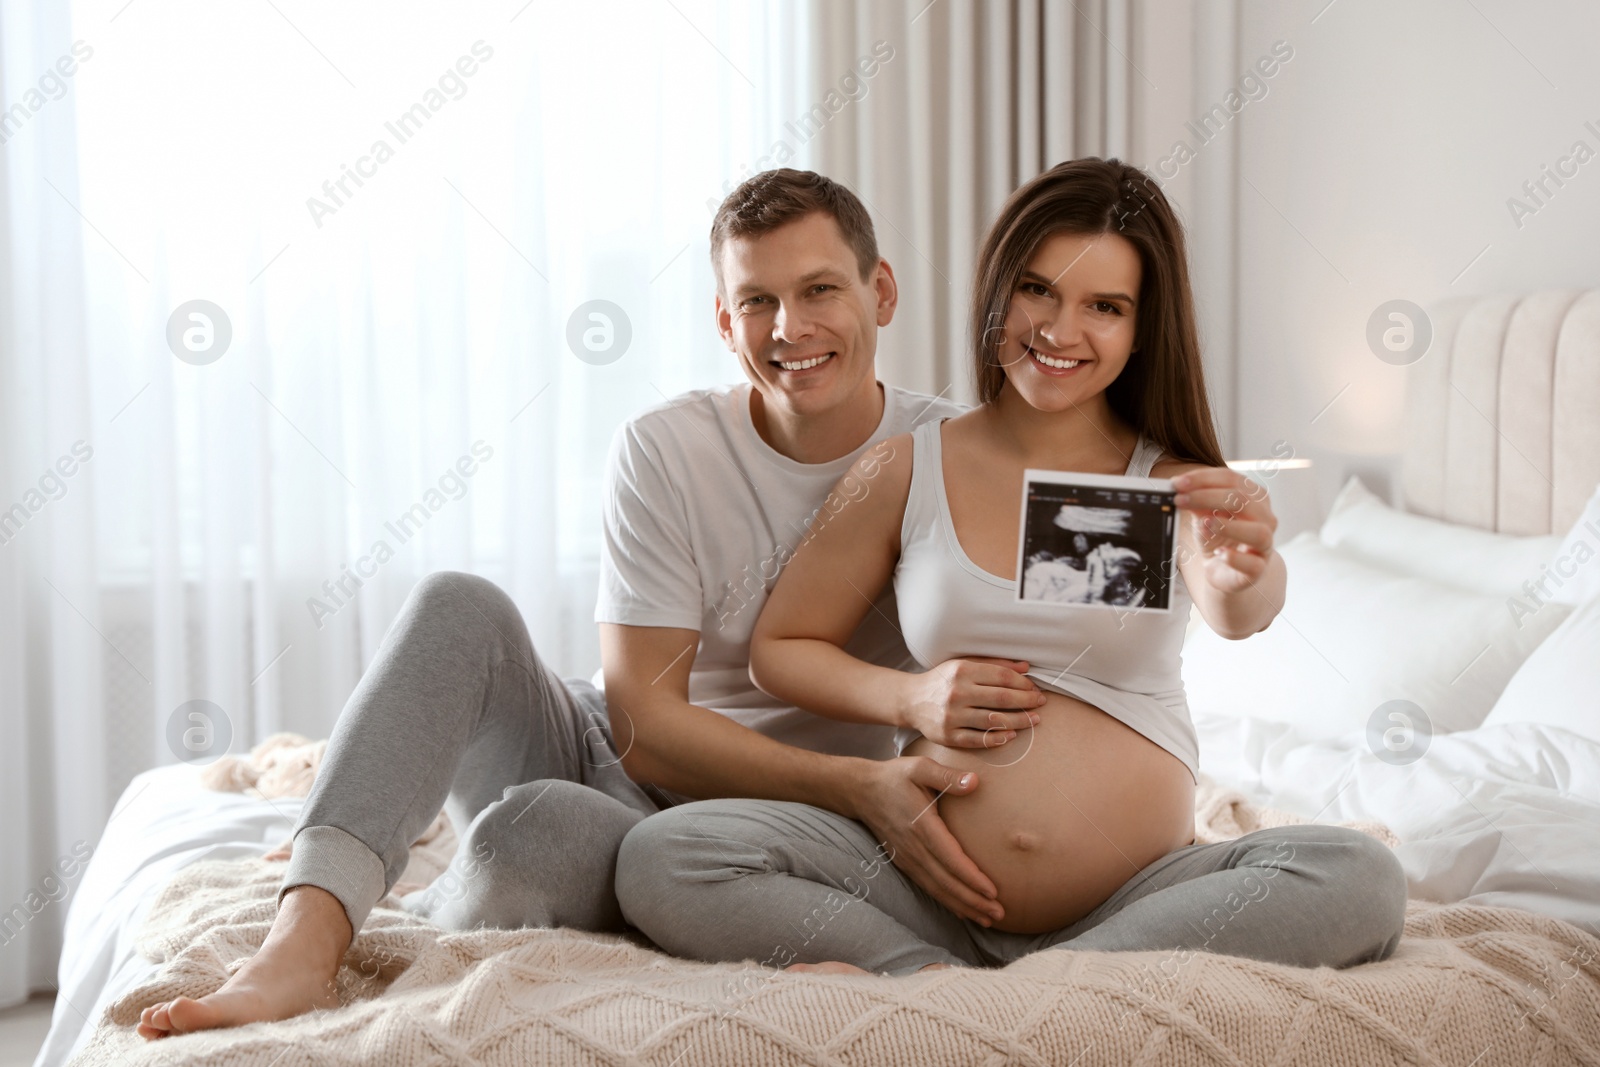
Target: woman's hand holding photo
column 1235, row 525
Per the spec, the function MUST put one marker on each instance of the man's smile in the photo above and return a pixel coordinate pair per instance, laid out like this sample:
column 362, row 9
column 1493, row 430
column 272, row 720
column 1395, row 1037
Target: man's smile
column 805, row 364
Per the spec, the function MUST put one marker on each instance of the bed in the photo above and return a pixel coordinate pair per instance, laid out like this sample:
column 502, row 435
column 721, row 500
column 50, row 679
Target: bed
column 1491, row 790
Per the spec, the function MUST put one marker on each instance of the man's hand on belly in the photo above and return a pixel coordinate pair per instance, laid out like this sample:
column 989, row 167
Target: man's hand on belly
column 971, row 702
column 898, row 801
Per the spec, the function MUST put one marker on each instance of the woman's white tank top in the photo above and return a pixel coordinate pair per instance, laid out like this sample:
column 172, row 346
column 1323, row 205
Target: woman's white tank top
column 1126, row 662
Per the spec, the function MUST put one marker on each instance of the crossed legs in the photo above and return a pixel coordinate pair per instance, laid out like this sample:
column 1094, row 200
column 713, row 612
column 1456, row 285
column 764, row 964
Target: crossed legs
column 788, row 883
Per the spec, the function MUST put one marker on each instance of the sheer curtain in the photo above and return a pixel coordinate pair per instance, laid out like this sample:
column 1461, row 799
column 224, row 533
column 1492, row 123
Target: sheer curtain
column 312, row 301
column 50, row 657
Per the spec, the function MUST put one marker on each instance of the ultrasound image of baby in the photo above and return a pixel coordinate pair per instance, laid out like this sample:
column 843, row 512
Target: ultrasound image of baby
column 1075, row 552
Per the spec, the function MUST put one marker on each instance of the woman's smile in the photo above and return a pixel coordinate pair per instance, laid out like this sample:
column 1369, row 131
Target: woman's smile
column 1057, row 366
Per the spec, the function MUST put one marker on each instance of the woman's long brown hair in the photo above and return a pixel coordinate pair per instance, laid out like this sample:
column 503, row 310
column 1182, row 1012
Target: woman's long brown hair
column 1161, row 392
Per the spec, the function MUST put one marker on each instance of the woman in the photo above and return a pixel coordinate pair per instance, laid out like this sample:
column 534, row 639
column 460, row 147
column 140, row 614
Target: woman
column 1087, row 360
column 1072, row 717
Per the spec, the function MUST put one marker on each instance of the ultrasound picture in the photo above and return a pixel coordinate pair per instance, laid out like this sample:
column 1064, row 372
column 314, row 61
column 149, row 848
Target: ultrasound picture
column 1097, row 540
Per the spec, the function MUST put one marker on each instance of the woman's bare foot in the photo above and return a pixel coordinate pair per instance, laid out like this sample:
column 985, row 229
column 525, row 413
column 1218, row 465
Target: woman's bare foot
column 830, row 967
column 291, row 974
column 835, row 967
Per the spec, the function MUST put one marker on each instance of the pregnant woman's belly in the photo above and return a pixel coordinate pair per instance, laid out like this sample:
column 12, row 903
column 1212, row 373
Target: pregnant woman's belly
column 1067, row 812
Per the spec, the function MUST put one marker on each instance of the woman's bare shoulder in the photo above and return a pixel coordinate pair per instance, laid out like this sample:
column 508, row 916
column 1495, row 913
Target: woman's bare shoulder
column 867, row 504
column 881, row 475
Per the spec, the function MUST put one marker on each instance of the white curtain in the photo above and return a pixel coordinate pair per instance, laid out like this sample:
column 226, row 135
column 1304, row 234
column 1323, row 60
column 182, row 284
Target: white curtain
column 979, row 97
column 398, row 214
column 51, row 687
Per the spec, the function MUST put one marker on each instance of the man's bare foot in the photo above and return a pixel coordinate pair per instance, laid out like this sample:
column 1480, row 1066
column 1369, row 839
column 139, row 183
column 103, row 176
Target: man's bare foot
column 291, row 974
column 282, row 852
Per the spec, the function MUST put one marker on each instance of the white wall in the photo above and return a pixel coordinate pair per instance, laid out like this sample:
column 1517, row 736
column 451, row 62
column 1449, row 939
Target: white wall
column 1377, row 167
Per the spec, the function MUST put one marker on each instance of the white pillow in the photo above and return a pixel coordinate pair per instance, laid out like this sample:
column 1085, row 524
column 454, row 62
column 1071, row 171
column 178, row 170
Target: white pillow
column 1559, row 685
column 1352, row 637
column 1576, row 566
column 1361, row 525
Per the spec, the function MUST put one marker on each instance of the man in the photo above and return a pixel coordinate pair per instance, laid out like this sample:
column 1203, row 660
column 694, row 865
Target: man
column 707, row 498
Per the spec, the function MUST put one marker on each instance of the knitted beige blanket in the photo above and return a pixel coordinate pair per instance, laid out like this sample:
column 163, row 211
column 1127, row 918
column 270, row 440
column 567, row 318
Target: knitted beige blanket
column 1469, row 985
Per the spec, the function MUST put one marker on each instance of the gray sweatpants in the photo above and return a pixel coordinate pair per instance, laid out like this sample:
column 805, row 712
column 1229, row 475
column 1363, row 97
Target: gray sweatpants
column 457, row 711
column 789, row 883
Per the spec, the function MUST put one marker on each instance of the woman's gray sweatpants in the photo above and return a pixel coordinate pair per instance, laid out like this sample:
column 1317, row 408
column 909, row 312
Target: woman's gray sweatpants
column 786, row 883
column 457, row 711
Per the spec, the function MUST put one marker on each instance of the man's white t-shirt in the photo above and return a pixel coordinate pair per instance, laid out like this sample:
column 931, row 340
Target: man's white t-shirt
column 701, row 515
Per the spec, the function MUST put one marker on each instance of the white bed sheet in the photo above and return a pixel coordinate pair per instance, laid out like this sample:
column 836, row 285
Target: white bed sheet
column 1501, row 815
column 164, row 821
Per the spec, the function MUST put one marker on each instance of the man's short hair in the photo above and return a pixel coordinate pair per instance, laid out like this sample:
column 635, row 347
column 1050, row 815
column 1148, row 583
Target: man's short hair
column 775, row 198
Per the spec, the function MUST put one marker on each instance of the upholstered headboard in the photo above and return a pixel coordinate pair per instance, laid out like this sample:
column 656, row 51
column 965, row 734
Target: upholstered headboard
column 1503, row 413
